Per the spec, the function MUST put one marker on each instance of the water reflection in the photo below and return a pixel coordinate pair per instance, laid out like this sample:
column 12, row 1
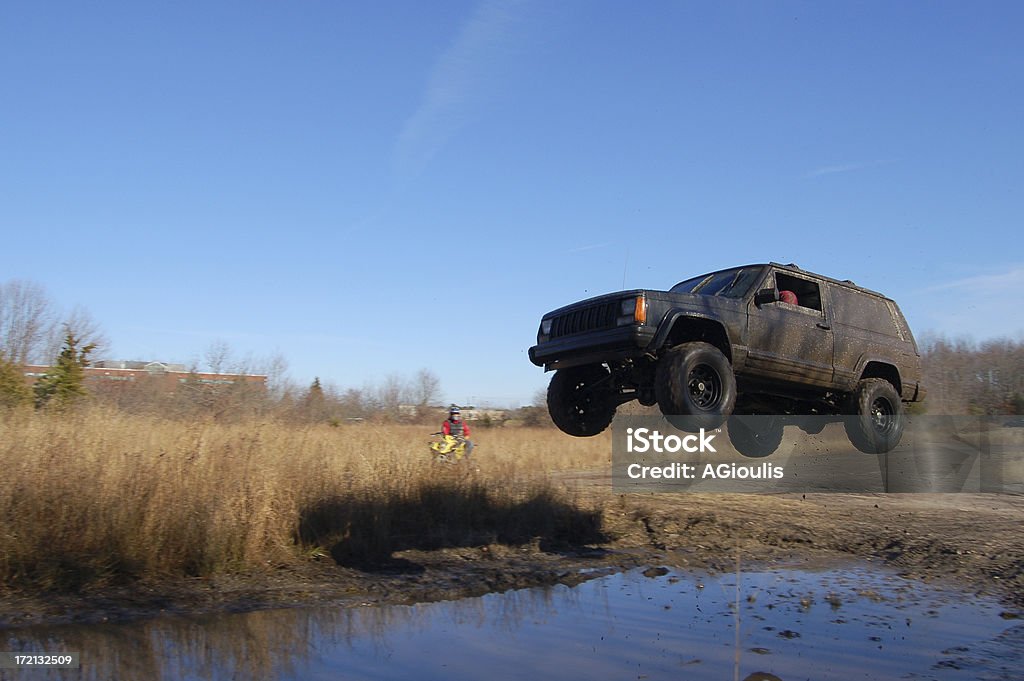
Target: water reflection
column 791, row 625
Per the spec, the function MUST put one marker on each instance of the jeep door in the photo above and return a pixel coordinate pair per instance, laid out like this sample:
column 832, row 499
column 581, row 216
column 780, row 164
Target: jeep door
column 791, row 341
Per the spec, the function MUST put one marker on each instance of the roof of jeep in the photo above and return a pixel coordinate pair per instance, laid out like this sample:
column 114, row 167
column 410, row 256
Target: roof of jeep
column 797, row 270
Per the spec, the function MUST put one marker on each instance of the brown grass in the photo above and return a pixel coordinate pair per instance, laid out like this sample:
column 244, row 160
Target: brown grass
column 100, row 496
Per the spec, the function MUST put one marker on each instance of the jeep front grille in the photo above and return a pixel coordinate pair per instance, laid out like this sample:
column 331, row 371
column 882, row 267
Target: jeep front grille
column 591, row 318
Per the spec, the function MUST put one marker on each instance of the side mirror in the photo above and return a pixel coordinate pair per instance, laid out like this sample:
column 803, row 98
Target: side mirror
column 765, row 296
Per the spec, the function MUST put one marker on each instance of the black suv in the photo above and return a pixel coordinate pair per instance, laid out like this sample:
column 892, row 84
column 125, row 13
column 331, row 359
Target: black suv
column 765, row 339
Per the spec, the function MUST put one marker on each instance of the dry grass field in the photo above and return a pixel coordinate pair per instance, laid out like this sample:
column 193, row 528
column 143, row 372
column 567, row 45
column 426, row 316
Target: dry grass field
column 101, row 497
column 104, row 514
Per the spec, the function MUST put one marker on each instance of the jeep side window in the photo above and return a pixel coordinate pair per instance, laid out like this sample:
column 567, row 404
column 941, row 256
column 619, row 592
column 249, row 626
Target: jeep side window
column 802, row 292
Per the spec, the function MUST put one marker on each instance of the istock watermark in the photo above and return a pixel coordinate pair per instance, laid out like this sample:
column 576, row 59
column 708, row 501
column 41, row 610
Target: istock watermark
column 784, row 453
column 692, row 471
column 643, row 440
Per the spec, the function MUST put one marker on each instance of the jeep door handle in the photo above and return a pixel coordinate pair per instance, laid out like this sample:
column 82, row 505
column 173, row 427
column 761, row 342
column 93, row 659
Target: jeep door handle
column 823, row 325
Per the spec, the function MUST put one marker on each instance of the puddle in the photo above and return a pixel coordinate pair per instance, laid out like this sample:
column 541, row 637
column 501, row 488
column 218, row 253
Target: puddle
column 837, row 624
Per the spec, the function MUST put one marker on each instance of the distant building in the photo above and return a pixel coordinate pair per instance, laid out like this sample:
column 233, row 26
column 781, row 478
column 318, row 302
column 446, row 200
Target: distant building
column 468, row 413
column 168, row 376
column 148, row 366
column 480, row 414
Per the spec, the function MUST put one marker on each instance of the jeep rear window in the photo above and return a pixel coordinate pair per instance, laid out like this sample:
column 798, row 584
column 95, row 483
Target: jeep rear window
column 864, row 311
column 727, row 283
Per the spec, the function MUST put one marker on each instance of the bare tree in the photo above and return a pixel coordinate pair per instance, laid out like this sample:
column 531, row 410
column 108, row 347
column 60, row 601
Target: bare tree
column 217, row 356
column 426, row 388
column 353, row 403
column 535, row 415
column 27, row 317
column 80, row 323
column 390, row 394
column 275, row 368
column 965, row 377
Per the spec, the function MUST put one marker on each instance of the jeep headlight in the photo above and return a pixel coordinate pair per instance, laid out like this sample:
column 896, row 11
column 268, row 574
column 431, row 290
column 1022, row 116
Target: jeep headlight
column 633, row 311
column 544, row 334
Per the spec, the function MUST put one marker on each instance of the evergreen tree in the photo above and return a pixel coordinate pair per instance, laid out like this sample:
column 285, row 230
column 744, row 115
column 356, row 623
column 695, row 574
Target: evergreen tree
column 314, row 403
column 13, row 391
column 65, row 382
column 316, row 391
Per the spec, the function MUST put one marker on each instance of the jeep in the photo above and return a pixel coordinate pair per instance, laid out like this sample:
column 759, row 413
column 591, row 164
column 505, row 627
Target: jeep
column 764, row 339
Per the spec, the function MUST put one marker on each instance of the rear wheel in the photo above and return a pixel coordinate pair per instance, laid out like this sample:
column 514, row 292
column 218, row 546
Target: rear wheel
column 695, row 380
column 876, row 417
column 579, row 400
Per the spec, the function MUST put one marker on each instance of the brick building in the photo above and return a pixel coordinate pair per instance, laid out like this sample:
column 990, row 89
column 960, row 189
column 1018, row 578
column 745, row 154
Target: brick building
column 161, row 374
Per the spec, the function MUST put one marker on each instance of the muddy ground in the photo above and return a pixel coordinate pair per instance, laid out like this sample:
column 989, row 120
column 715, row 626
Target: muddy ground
column 972, row 541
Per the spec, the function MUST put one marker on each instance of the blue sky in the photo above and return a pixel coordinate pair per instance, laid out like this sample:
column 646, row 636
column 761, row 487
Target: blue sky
column 374, row 188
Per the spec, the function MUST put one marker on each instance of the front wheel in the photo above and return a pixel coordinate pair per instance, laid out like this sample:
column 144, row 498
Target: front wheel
column 579, row 400
column 875, row 424
column 695, row 380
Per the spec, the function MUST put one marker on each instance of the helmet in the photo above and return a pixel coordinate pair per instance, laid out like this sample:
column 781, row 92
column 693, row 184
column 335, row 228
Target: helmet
column 453, row 411
column 788, row 297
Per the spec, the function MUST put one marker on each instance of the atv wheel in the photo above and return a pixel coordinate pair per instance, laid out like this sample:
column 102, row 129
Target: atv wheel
column 695, row 380
column 876, row 420
column 578, row 402
column 755, row 436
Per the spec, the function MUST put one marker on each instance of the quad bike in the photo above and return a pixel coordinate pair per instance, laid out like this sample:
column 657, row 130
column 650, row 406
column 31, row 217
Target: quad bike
column 449, row 449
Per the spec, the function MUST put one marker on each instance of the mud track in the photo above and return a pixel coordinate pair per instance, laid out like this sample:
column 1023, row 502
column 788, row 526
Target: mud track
column 971, row 541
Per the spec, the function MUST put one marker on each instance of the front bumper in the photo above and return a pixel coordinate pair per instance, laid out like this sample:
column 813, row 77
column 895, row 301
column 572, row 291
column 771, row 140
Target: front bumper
column 593, row 347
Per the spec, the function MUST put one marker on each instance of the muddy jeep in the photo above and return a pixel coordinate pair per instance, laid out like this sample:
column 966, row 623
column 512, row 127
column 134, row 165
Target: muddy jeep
column 758, row 340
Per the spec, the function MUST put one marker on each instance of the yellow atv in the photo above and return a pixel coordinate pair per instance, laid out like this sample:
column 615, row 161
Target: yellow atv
column 448, row 449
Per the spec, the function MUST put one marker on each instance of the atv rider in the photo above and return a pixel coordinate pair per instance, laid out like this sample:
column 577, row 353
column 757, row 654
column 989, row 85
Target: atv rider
column 458, row 429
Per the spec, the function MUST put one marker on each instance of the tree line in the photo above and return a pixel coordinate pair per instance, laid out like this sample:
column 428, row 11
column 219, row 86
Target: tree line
column 962, row 376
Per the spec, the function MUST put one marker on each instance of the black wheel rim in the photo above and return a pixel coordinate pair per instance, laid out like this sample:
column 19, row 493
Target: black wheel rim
column 882, row 415
column 582, row 399
column 586, row 398
column 704, row 386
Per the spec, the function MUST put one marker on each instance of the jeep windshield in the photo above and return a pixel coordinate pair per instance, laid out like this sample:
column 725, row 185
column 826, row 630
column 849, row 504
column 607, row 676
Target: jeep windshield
column 734, row 283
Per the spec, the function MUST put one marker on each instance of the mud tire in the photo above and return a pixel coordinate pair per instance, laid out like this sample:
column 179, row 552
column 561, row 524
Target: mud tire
column 695, row 380
column 876, row 417
column 577, row 402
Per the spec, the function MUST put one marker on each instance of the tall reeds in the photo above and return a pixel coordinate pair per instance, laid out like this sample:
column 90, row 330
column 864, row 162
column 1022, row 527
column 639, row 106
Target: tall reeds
column 100, row 496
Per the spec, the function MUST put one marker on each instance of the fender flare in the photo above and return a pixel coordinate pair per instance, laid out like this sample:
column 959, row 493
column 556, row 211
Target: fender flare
column 673, row 316
column 861, row 366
